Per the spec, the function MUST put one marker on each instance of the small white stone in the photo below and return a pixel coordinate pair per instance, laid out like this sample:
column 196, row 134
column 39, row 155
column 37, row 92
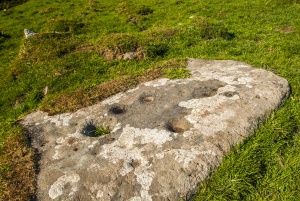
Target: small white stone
column 28, row 33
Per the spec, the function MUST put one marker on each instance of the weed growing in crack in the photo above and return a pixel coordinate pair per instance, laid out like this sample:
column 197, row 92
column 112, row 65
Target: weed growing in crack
column 91, row 130
column 102, row 130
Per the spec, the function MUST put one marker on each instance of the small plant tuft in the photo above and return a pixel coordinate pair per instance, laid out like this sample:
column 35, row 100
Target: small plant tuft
column 60, row 25
column 176, row 73
column 175, row 69
column 114, row 46
column 145, row 10
column 156, row 49
column 207, row 30
column 3, row 37
column 212, row 30
column 91, row 130
column 102, row 130
column 124, row 7
column 121, row 43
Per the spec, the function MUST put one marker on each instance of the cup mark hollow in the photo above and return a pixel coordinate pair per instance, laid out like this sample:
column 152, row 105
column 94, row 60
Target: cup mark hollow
column 117, row 109
column 89, row 130
column 147, row 99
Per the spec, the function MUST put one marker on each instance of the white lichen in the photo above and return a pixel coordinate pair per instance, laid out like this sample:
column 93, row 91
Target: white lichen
column 157, row 83
column 57, row 187
column 113, row 99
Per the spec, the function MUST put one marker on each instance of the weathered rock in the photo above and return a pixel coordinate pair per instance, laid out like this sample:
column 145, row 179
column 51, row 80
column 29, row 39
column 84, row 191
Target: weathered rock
column 129, row 56
column 143, row 158
column 28, row 33
column 179, row 125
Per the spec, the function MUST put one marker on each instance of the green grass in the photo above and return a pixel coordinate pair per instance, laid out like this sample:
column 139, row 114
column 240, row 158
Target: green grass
column 102, row 130
column 6, row 4
column 78, row 56
column 265, row 167
column 93, row 130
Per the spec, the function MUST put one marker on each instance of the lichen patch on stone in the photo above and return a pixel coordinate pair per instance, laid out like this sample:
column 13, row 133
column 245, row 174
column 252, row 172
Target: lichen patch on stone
column 57, row 188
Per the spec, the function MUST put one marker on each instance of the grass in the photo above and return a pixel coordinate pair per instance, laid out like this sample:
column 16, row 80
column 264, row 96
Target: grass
column 265, row 167
column 6, row 4
column 93, row 130
column 79, row 57
column 102, row 130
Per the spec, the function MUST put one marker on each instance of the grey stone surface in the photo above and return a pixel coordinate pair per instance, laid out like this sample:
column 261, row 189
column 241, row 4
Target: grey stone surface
column 166, row 135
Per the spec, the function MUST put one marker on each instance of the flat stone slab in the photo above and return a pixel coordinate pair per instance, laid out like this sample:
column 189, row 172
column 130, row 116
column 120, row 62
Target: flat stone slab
column 166, row 135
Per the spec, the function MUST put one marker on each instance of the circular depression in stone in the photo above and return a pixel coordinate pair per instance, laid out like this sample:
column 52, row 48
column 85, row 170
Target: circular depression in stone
column 205, row 92
column 147, row 99
column 89, row 130
column 118, row 109
column 229, row 94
